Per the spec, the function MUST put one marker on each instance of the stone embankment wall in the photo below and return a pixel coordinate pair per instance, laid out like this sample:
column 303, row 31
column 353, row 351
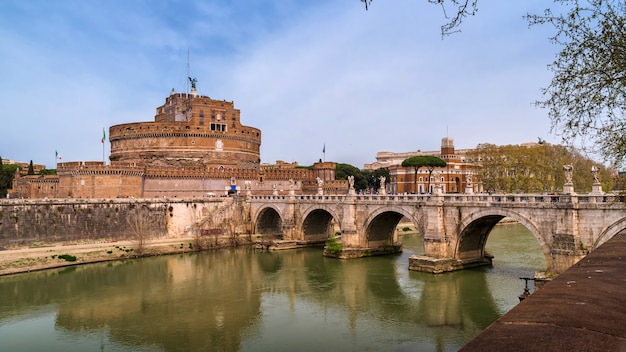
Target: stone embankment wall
column 60, row 220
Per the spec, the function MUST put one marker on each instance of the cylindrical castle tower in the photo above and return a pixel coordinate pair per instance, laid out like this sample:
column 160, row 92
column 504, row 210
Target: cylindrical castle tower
column 189, row 130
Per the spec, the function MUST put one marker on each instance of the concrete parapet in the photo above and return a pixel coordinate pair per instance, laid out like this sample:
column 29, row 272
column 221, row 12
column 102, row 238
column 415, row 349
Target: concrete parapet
column 580, row 310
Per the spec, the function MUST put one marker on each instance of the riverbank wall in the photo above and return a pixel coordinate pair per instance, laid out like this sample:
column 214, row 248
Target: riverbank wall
column 24, row 222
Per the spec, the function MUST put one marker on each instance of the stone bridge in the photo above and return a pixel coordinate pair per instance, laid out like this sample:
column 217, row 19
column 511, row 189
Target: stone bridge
column 454, row 227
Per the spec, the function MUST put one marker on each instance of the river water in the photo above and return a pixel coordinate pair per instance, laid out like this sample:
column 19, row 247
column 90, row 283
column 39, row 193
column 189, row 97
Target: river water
column 244, row 300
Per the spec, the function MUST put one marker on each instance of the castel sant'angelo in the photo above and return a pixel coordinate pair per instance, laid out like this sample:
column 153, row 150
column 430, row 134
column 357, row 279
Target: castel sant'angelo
column 195, row 147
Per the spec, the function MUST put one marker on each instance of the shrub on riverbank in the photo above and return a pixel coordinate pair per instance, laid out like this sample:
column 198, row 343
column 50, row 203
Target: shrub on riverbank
column 68, row 257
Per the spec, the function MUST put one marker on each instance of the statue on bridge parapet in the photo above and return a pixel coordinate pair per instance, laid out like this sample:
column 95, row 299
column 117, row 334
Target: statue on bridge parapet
column 248, row 185
column 292, row 187
column 469, row 189
column 382, row 190
column 568, row 187
column 351, row 190
column 437, row 179
column 596, row 188
column 320, row 186
column 569, row 172
column 594, row 173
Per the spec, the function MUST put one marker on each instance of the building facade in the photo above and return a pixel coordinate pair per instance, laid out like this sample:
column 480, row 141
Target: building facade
column 458, row 176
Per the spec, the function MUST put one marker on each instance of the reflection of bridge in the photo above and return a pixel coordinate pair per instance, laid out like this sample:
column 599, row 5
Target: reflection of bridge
column 455, row 227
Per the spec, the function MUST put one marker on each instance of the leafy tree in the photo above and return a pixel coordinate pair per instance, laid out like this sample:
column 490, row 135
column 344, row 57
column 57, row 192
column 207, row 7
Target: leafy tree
column 586, row 99
column 31, row 168
column 7, row 172
column 373, row 178
column 419, row 161
column 342, row 171
column 362, row 179
column 3, row 186
column 381, row 172
column 48, row 171
column 534, row 169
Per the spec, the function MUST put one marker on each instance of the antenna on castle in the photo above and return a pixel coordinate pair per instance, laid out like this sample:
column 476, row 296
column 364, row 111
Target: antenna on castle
column 188, row 73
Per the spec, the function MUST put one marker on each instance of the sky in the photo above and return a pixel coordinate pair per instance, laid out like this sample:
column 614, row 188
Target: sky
column 308, row 74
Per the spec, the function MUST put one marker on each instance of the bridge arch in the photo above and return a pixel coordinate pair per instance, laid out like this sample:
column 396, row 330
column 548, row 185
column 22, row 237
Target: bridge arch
column 380, row 225
column 319, row 224
column 609, row 232
column 475, row 229
column 268, row 221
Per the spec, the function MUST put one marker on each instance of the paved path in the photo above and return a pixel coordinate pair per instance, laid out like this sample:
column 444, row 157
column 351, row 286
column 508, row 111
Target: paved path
column 583, row 309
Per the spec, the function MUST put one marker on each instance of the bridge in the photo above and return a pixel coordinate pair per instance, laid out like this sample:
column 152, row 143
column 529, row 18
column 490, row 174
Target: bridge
column 454, row 227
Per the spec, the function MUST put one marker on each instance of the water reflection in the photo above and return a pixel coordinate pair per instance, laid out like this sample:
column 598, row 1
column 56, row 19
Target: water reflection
column 243, row 300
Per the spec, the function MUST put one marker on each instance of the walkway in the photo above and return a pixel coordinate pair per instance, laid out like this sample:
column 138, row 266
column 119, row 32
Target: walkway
column 583, row 309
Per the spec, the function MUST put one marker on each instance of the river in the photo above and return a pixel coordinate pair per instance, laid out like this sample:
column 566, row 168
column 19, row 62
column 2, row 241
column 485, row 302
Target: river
column 240, row 299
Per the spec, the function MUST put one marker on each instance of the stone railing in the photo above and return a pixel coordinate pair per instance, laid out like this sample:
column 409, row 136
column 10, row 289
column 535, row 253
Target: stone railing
column 453, row 198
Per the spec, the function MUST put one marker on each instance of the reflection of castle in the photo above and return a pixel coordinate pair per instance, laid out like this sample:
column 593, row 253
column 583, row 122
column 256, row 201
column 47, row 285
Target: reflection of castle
column 195, row 147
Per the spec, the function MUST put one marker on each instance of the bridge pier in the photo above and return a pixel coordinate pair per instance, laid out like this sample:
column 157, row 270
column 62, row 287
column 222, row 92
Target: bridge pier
column 441, row 265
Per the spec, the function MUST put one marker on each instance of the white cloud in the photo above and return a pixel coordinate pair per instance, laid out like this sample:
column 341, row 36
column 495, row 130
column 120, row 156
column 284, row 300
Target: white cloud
column 305, row 74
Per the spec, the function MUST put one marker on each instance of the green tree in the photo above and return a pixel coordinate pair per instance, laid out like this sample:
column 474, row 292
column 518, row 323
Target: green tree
column 373, row 178
column 342, row 171
column 3, row 186
column 31, row 168
column 376, row 175
column 419, row 161
column 586, row 99
column 48, row 171
column 7, row 172
column 534, row 169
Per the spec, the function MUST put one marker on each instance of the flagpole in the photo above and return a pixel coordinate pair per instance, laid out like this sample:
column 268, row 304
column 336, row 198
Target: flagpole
column 104, row 136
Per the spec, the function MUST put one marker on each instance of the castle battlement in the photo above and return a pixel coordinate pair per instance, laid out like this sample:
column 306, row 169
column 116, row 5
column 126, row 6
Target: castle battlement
column 195, row 146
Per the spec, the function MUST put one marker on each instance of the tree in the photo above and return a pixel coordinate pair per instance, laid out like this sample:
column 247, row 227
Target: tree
column 31, row 168
column 7, row 172
column 586, row 99
column 376, row 175
column 455, row 11
column 3, row 186
column 48, row 171
column 419, row 161
column 534, row 169
column 342, row 171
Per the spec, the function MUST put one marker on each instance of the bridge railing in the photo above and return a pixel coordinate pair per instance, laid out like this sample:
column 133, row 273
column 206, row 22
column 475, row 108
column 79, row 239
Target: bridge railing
column 521, row 198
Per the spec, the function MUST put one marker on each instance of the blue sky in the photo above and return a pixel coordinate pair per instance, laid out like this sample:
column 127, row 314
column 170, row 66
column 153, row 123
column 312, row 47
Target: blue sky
column 307, row 73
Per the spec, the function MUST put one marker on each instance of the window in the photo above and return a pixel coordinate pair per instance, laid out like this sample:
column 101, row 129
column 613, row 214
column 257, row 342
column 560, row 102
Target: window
column 212, row 115
column 219, row 127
